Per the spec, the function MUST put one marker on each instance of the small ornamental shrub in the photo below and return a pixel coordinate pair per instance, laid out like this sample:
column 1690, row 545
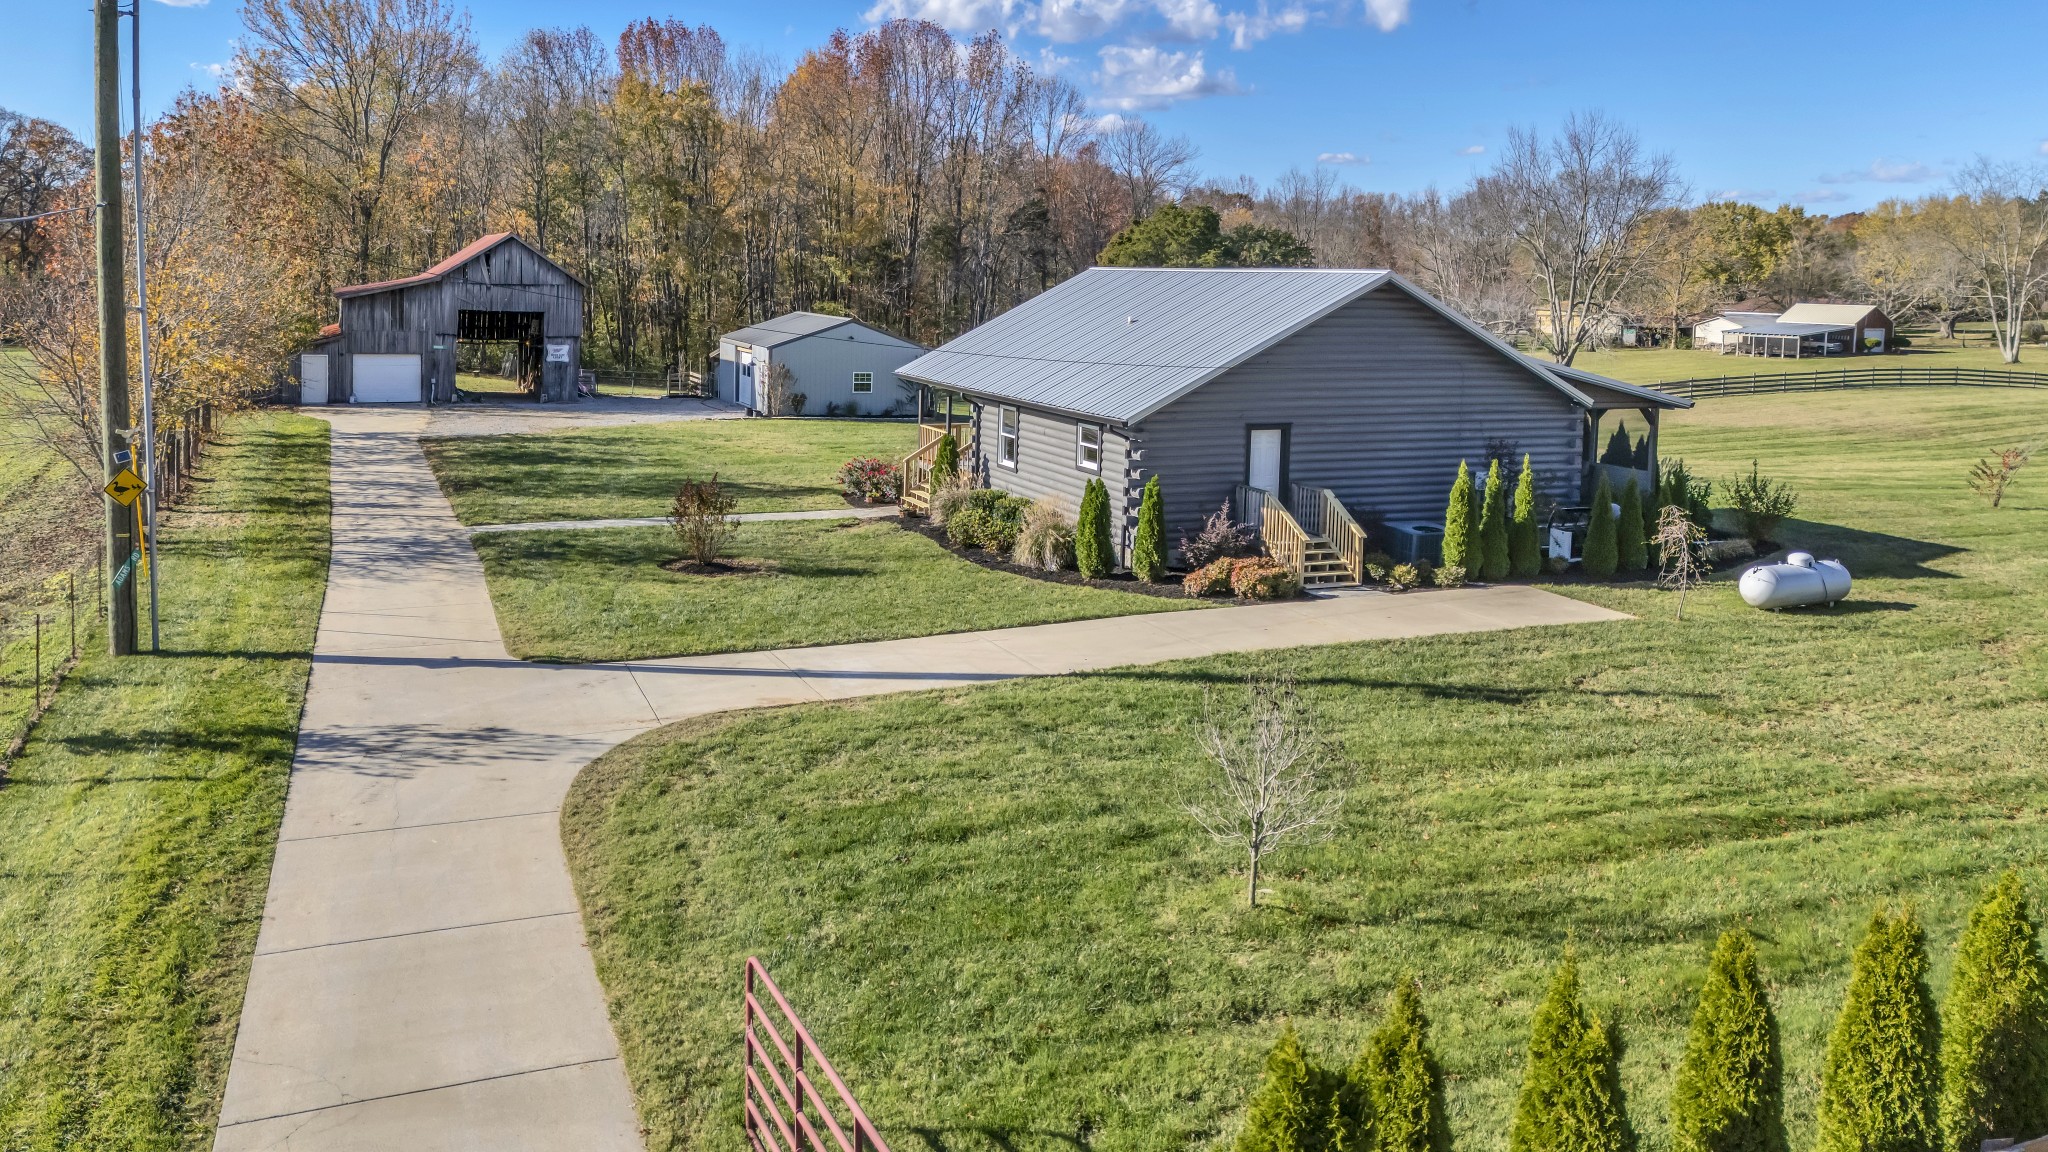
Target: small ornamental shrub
column 1045, row 540
column 1094, row 552
column 1730, row 1090
column 1005, row 520
column 945, row 460
column 1994, row 1026
column 1681, row 488
column 1399, row 1083
column 1257, row 578
column 797, row 400
column 1458, row 519
column 950, row 497
column 1450, row 576
column 1631, row 543
column 1881, row 1078
column 1407, row 575
column 1221, row 538
column 966, row 527
column 1148, row 546
column 1291, row 1111
column 701, row 517
column 1493, row 526
column 1571, row 1092
column 1761, row 504
column 1525, row 544
column 870, row 478
column 1211, row 579
column 1601, row 554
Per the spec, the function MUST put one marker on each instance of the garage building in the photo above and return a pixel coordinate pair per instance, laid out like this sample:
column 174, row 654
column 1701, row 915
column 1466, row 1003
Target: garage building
column 397, row 339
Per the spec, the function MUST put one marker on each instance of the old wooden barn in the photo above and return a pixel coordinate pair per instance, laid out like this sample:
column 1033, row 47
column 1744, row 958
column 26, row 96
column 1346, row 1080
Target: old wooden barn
column 398, row 339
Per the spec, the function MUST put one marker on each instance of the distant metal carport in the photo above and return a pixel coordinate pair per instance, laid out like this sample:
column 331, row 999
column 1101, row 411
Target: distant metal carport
column 1776, row 338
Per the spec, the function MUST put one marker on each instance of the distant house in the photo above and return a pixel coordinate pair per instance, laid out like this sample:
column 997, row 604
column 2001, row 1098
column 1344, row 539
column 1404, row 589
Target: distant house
column 835, row 364
column 1801, row 330
column 1313, row 399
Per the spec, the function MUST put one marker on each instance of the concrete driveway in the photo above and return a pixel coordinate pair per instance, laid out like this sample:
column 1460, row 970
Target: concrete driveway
column 421, row 979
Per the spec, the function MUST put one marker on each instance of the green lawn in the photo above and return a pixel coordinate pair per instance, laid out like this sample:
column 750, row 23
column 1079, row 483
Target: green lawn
column 139, row 822
column 1656, row 365
column 477, row 382
column 995, row 915
column 601, row 594
column 601, row 473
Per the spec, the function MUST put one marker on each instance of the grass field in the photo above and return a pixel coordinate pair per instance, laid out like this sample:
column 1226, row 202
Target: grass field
column 139, row 822
column 1656, row 365
column 601, row 594
column 771, row 465
column 496, row 385
column 996, row 917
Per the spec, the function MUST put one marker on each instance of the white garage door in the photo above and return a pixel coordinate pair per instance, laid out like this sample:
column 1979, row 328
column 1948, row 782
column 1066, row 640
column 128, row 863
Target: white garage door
column 386, row 379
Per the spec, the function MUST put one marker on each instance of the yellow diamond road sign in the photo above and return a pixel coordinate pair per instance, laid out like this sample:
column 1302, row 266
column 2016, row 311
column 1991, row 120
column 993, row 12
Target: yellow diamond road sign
column 125, row 487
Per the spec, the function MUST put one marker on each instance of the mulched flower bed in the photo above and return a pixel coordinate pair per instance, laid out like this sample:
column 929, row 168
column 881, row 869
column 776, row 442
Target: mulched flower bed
column 1122, row 581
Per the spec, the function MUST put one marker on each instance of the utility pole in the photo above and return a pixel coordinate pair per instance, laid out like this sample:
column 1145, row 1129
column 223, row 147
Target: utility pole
column 145, row 452
column 113, row 301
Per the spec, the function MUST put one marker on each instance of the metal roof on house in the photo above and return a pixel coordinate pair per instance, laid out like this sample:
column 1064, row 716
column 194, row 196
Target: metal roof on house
column 1834, row 315
column 1780, row 328
column 1609, row 392
column 1121, row 343
column 784, row 328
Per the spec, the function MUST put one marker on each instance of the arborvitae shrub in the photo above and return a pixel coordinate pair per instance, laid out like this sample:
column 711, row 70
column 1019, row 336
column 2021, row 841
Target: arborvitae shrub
column 1292, row 1109
column 1525, row 544
column 1730, row 1094
column 1399, row 1083
column 1994, row 1026
column 1094, row 553
column 945, row 461
column 1600, row 556
column 1631, row 544
column 1493, row 526
column 1571, row 1092
column 1148, row 547
column 1881, row 1075
column 1458, row 520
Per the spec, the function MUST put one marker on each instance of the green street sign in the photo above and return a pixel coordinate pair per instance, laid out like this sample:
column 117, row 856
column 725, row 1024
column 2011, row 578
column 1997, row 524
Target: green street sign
column 127, row 568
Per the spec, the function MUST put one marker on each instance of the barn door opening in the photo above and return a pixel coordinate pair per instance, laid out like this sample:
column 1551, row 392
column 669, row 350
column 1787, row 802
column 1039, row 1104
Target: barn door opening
column 499, row 353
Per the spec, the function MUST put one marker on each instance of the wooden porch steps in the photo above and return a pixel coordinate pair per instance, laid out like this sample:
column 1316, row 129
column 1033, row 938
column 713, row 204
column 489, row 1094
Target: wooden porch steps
column 1321, row 566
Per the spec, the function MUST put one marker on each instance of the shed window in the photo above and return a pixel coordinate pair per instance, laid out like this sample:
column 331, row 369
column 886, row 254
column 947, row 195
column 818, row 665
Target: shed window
column 863, row 381
column 1006, row 437
column 1088, row 448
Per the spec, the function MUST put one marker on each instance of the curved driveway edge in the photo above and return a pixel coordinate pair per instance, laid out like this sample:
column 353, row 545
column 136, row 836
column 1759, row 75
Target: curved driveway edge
column 421, row 979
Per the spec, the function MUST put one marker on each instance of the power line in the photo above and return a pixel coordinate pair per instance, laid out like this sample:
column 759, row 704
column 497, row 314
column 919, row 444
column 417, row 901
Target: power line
column 51, row 212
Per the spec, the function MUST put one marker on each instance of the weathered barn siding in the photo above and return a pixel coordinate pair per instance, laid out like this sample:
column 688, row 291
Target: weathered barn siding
column 1382, row 398
column 1048, row 464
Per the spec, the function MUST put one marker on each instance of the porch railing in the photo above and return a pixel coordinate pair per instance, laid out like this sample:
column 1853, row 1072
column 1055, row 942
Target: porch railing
column 1320, row 513
column 785, row 1110
column 1282, row 535
column 917, row 467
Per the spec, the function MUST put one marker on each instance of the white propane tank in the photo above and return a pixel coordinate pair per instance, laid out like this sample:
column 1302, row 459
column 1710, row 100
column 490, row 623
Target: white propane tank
column 1800, row 580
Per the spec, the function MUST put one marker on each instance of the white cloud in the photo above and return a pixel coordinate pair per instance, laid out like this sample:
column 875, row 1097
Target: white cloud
column 217, row 71
column 954, row 15
column 1136, row 76
column 183, row 3
column 1342, row 158
column 1883, row 171
column 1387, row 15
column 2044, row 147
column 1247, row 29
column 1066, row 21
column 1821, row 196
column 1472, row 150
column 1052, row 63
column 1190, row 19
column 1743, row 194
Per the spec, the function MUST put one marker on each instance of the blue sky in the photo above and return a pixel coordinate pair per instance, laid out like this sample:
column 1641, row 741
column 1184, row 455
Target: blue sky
column 1834, row 105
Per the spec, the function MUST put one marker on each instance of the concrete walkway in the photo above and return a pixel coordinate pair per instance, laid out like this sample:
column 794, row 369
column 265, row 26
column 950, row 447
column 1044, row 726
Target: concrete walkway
column 877, row 512
column 421, row 979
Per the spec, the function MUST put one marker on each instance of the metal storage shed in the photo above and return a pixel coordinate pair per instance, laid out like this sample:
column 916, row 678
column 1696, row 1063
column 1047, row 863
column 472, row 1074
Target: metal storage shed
column 836, row 364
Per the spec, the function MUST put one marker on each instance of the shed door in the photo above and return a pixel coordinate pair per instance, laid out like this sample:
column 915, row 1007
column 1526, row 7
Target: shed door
column 1262, row 467
column 386, row 379
column 743, row 385
column 313, row 378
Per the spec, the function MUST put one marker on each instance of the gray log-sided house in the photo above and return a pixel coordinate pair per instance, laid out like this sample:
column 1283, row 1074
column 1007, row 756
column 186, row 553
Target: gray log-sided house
column 1345, row 396
column 839, row 366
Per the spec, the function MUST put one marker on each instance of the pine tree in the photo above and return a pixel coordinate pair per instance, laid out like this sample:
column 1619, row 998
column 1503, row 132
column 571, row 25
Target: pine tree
column 1398, row 1080
column 1730, row 1094
column 1525, row 545
column 1619, row 452
column 1148, row 547
column 1571, row 1091
column 1458, row 521
column 1600, row 556
column 1994, row 1026
column 1292, row 1110
column 1631, row 543
column 1881, row 1075
column 1493, row 525
column 945, row 461
column 1094, row 554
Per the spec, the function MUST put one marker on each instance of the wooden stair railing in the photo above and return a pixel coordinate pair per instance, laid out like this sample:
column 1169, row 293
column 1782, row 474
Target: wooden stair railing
column 1321, row 513
column 917, row 467
column 1308, row 555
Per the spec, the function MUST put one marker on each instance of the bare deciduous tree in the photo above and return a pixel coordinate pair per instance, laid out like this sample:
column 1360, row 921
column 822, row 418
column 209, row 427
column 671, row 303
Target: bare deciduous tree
column 1678, row 542
column 1147, row 163
column 1998, row 224
column 1575, row 207
column 1277, row 780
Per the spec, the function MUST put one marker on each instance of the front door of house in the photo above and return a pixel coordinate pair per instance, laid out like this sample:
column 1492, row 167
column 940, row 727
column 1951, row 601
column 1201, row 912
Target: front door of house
column 1266, row 459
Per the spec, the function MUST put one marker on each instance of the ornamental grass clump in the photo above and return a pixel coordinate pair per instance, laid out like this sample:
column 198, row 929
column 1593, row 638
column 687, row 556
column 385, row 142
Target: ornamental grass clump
column 1571, row 1093
column 1881, row 1078
column 1601, row 555
column 1994, row 1026
column 1094, row 553
column 1148, row 546
column 1397, row 1084
column 1045, row 540
column 1457, row 544
column 950, row 497
column 1492, row 552
column 1525, row 545
column 1730, row 1093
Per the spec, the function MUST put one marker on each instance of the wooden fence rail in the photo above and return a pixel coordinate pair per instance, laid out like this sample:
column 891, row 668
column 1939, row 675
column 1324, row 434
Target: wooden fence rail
column 784, row 1109
column 1763, row 382
column 1283, row 537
